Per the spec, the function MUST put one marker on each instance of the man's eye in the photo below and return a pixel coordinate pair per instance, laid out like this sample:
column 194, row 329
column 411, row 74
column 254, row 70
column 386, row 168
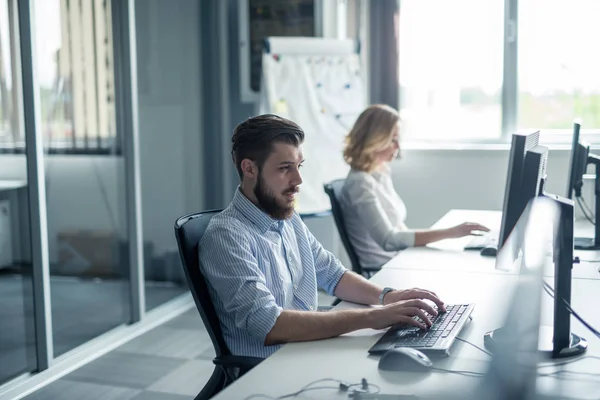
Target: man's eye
column 284, row 168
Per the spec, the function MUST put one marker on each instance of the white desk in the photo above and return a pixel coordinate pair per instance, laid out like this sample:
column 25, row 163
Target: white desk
column 11, row 184
column 13, row 191
column 346, row 357
column 449, row 254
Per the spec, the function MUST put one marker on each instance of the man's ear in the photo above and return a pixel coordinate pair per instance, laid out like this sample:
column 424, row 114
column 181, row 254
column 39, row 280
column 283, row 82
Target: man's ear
column 249, row 168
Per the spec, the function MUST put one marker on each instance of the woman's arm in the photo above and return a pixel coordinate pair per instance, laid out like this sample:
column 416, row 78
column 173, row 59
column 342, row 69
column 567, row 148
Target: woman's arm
column 426, row 236
column 363, row 195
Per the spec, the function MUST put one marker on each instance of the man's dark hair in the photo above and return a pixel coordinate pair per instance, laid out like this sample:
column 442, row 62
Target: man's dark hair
column 254, row 138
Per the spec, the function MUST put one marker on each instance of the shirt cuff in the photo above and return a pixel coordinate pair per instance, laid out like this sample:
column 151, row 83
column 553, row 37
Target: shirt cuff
column 410, row 239
column 261, row 322
column 337, row 276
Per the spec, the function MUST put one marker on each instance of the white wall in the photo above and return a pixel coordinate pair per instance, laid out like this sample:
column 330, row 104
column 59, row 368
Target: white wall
column 431, row 182
column 170, row 115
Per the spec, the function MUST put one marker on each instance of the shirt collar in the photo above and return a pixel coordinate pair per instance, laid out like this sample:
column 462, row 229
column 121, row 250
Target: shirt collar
column 383, row 171
column 258, row 217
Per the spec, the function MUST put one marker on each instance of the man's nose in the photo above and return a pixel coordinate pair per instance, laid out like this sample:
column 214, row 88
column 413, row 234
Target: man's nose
column 297, row 178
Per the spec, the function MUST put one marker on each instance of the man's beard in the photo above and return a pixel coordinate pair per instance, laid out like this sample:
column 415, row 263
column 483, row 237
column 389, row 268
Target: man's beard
column 268, row 202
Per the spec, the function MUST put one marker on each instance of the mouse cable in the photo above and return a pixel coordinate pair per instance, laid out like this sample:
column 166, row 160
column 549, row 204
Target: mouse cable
column 558, row 364
column 589, row 210
column 574, row 360
column 550, row 290
column 474, row 345
column 364, row 386
column 572, row 376
column 585, row 214
column 458, row 372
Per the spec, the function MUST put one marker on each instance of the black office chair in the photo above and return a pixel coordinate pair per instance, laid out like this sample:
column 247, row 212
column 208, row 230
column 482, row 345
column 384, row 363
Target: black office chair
column 334, row 190
column 188, row 231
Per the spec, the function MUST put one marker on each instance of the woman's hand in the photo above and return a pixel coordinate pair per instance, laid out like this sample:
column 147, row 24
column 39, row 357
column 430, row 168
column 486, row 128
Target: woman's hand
column 465, row 229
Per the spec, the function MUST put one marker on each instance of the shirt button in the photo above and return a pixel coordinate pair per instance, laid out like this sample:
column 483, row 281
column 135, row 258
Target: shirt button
column 311, row 308
column 295, row 286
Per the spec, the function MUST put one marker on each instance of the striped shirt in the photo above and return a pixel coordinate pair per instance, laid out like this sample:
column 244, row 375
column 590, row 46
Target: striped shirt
column 257, row 266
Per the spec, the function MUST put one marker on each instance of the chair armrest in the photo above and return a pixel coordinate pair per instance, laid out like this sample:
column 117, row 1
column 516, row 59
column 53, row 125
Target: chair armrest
column 243, row 362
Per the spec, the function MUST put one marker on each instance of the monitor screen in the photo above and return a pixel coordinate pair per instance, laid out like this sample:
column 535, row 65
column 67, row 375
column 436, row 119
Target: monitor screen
column 513, row 205
column 573, row 160
column 534, row 173
column 582, row 152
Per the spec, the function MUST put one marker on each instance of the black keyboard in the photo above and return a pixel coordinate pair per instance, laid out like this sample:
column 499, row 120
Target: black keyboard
column 439, row 337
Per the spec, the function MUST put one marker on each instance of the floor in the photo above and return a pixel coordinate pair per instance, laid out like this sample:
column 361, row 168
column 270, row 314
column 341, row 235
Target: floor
column 81, row 310
column 170, row 362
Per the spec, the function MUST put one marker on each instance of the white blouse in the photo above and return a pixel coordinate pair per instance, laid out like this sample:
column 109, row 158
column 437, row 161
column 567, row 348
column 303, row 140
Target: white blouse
column 374, row 216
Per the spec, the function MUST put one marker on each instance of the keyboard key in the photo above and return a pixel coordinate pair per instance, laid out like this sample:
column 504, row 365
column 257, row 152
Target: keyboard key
column 443, row 326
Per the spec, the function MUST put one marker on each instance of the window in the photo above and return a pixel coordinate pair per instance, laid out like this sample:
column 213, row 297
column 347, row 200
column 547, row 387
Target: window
column 450, row 60
column 559, row 65
column 17, row 313
column 10, row 135
column 75, row 76
column 457, row 58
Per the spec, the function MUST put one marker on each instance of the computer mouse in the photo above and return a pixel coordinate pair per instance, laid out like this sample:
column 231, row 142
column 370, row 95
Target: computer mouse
column 489, row 251
column 405, row 359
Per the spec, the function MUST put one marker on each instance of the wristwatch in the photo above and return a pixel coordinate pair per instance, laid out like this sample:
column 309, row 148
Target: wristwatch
column 384, row 292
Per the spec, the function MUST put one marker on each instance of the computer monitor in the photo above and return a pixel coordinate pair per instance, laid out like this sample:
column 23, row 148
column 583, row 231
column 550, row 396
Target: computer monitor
column 579, row 160
column 578, row 167
column 513, row 369
column 557, row 341
column 573, row 160
column 534, row 173
column 514, row 201
column 513, row 205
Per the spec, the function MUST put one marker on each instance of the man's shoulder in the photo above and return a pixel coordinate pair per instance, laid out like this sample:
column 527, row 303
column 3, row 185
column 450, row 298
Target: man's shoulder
column 227, row 222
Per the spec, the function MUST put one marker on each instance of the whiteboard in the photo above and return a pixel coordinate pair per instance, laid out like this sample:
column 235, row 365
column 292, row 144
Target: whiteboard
column 317, row 83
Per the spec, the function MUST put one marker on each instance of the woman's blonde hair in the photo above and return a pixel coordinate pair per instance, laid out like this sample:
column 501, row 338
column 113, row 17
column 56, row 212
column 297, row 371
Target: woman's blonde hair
column 371, row 132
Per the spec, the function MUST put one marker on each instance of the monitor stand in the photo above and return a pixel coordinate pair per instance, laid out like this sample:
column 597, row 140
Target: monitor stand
column 577, row 345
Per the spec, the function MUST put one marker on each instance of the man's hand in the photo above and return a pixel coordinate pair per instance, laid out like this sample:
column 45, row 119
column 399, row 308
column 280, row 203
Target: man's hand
column 412, row 294
column 464, row 229
column 402, row 312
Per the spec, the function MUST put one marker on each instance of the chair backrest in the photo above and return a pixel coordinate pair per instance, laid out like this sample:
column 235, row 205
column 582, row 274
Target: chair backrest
column 334, row 190
column 188, row 231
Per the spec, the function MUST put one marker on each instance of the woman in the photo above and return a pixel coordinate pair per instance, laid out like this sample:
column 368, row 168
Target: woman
column 373, row 211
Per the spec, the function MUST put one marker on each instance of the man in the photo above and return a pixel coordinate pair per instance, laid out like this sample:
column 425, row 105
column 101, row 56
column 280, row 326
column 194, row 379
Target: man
column 263, row 266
